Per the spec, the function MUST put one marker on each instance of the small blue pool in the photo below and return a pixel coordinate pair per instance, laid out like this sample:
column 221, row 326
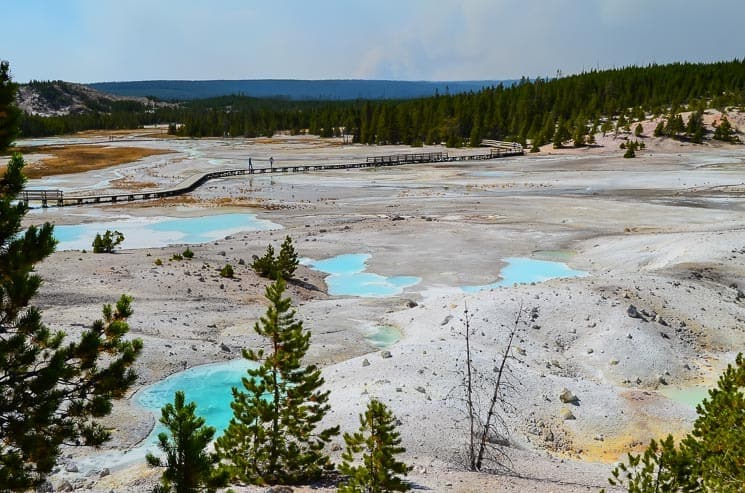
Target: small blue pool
column 520, row 270
column 383, row 336
column 161, row 231
column 347, row 277
column 210, row 386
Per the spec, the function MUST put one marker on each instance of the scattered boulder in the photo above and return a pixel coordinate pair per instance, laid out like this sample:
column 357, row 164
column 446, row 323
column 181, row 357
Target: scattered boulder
column 386, row 354
column 411, row 304
column 71, row 467
column 566, row 414
column 567, row 397
column 65, row 486
column 365, row 362
column 632, row 312
column 224, row 347
column 446, row 320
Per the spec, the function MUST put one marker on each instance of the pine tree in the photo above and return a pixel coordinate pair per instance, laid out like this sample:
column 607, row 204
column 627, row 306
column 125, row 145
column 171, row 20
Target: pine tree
column 51, row 389
column 272, row 437
column 108, row 242
column 379, row 443
column 265, row 265
column 189, row 468
column 9, row 114
column 287, row 260
column 561, row 134
column 725, row 132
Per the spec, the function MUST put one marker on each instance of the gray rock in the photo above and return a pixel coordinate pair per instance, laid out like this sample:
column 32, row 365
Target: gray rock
column 365, row 362
column 104, row 472
column 446, row 320
column 566, row 414
column 386, row 354
column 71, row 467
column 224, row 347
column 420, row 389
column 632, row 312
column 411, row 304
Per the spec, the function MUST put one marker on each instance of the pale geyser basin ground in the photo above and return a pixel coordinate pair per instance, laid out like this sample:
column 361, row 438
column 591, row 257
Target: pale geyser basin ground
column 662, row 232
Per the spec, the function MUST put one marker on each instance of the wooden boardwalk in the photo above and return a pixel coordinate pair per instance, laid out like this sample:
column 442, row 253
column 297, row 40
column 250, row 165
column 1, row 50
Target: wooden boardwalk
column 59, row 199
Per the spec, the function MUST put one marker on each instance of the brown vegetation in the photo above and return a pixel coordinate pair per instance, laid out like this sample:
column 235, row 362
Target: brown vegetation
column 80, row 158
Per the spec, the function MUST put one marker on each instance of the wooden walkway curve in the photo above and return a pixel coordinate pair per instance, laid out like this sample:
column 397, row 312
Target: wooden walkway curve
column 60, row 199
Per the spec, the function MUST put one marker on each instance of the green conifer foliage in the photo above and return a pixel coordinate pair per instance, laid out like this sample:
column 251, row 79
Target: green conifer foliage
column 287, row 261
column 272, row 438
column 189, row 468
column 51, row 388
column 725, row 132
column 264, row 265
column 107, row 242
column 378, row 441
column 9, row 114
column 283, row 265
column 561, row 135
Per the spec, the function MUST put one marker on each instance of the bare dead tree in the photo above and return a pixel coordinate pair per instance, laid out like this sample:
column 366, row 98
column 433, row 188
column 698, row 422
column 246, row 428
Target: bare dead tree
column 497, row 387
column 469, row 392
column 484, row 402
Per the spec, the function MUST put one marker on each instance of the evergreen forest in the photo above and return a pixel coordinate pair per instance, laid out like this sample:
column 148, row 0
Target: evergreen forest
column 529, row 110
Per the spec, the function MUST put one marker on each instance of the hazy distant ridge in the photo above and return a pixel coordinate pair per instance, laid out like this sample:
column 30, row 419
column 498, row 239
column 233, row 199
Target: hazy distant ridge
column 292, row 89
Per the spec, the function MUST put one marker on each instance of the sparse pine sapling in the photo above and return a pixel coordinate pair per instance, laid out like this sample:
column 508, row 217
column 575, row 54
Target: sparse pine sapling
column 265, row 265
column 273, row 436
column 287, row 261
column 189, row 467
column 107, row 242
column 369, row 460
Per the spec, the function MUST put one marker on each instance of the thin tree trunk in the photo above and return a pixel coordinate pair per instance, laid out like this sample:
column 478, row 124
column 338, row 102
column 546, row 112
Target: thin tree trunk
column 495, row 395
column 469, row 396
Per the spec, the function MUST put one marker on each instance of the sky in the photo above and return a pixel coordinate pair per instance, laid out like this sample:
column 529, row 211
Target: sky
column 115, row 40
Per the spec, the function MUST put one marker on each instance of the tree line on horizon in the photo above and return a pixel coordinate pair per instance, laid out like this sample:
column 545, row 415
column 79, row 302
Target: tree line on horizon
column 530, row 110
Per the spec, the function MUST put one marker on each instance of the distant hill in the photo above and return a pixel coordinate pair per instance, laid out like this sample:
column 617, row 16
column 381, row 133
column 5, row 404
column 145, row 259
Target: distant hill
column 57, row 98
column 332, row 89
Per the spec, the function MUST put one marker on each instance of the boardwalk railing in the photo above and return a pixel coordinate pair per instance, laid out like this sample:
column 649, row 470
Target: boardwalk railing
column 424, row 157
column 56, row 197
column 43, row 196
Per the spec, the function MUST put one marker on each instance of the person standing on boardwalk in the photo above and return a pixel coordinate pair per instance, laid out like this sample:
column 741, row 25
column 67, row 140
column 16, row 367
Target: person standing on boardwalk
column 250, row 166
column 271, row 163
